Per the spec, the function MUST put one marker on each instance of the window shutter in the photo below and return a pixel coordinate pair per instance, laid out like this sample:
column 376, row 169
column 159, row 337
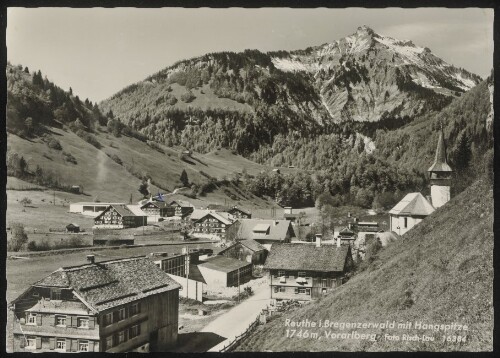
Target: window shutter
column 91, row 322
column 125, row 335
column 74, row 345
column 38, row 342
column 126, row 311
column 296, row 290
column 22, row 342
column 138, row 307
column 91, row 346
column 52, row 341
column 52, row 320
column 38, row 320
column 68, row 344
column 139, row 329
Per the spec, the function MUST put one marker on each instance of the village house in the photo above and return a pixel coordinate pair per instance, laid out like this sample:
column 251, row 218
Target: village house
column 119, row 305
column 235, row 211
column 118, row 217
column 265, row 232
column 177, row 266
column 182, row 208
column 213, row 226
column 306, row 271
column 290, row 215
column 246, row 250
column 221, row 271
column 90, row 208
column 346, row 236
column 157, row 209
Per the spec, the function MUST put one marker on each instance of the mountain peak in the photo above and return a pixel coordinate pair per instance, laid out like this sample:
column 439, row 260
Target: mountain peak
column 365, row 30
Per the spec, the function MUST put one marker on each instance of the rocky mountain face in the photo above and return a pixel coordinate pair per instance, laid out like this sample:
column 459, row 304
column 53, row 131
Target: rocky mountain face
column 369, row 77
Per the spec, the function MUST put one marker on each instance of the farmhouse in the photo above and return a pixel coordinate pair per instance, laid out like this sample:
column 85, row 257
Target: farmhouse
column 118, row 217
column 246, row 250
column 181, row 208
column 304, row 272
column 213, row 225
column 157, row 209
column 411, row 210
column 235, row 211
column 265, row 231
column 89, row 208
column 221, row 271
column 109, row 306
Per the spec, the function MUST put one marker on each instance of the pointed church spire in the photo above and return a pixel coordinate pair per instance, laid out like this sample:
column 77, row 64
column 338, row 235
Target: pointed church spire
column 440, row 163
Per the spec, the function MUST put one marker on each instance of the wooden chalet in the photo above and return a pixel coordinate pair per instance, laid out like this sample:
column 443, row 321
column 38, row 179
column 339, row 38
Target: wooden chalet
column 181, row 208
column 158, row 209
column 118, row 217
column 306, row 271
column 213, row 225
column 111, row 306
column 265, row 231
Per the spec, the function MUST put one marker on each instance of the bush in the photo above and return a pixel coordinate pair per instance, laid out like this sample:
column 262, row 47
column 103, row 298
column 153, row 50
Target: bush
column 19, row 237
column 32, row 246
column 54, row 144
column 188, row 97
column 69, row 158
column 116, row 159
column 89, row 138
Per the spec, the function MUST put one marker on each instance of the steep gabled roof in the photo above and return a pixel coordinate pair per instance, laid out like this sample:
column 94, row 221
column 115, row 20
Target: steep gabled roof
column 413, row 204
column 440, row 164
column 158, row 204
column 219, row 216
column 122, row 210
column 107, row 284
column 252, row 245
column 305, row 256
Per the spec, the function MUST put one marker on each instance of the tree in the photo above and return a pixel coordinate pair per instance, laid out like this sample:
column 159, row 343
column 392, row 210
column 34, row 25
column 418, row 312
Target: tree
column 25, row 201
column 143, row 188
column 28, row 124
column 19, row 237
column 184, row 178
column 26, row 69
column 463, row 153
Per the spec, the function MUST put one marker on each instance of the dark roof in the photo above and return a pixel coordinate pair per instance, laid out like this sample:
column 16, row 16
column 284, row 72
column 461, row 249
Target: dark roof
column 305, row 256
column 108, row 284
column 122, row 210
column 224, row 264
column 239, row 209
column 252, row 245
column 346, row 231
column 440, row 164
column 72, row 225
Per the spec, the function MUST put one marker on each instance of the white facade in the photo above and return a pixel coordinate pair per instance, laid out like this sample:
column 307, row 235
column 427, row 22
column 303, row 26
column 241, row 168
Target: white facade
column 90, row 209
column 440, row 195
column 190, row 288
column 401, row 224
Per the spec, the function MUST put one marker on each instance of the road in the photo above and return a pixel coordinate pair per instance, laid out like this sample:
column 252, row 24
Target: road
column 236, row 321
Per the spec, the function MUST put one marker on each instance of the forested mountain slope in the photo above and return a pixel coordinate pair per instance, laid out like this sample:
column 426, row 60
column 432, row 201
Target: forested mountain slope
column 440, row 272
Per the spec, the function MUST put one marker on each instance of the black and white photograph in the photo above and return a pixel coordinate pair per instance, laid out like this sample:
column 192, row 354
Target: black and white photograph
column 271, row 179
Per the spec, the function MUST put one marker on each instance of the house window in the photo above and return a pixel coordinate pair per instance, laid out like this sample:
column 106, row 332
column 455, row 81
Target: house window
column 121, row 314
column 301, row 274
column 308, row 291
column 406, row 223
column 134, row 309
column 83, row 346
column 276, row 289
column 108, row 319
column 61, row 321
column 121, row 337
column 55, row 294
column 281, row 273
column 36, row 294
column 31, row 318
column 31, row 342
column 83, row 323
column 282, row 288
column 109, row 342
column 135, row 331
column 61, row 344
column 302, row 290
column 324, row 282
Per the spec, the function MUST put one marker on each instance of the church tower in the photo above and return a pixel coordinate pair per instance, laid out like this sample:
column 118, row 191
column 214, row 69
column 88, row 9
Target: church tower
column 440, row 175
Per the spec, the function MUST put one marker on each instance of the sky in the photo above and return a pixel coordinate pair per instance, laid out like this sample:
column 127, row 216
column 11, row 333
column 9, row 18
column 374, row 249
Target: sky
column 99, row 51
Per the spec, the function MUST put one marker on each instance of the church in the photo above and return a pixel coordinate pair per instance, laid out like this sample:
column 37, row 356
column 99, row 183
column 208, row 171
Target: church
column 414, row 207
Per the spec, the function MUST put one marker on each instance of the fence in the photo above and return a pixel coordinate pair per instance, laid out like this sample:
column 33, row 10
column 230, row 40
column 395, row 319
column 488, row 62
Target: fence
column 237, row 339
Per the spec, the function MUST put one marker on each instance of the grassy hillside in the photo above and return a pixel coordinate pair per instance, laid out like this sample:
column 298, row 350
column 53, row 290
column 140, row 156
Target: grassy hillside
column 439, row 273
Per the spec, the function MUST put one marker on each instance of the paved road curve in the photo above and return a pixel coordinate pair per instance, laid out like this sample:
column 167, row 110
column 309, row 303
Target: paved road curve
column 236, row 320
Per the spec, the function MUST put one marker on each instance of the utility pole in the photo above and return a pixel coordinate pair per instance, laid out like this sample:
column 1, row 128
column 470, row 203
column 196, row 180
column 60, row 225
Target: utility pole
column 187, row 272
column 238, row 285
